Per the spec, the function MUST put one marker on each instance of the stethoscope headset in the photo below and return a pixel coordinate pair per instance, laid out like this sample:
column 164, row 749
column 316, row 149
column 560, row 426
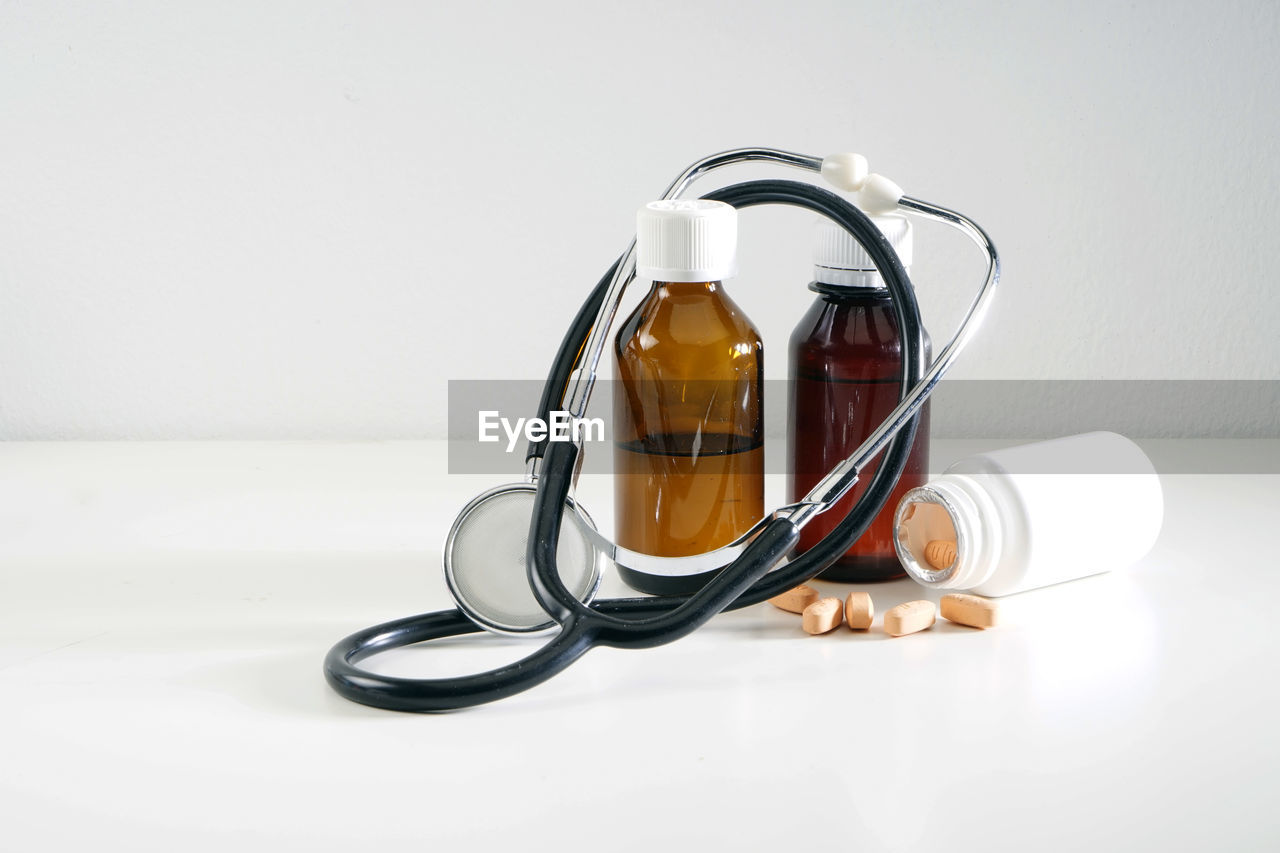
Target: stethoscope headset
column 751, row 569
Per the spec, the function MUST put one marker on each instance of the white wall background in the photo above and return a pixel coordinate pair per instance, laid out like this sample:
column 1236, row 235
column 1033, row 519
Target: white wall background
column 299, row 219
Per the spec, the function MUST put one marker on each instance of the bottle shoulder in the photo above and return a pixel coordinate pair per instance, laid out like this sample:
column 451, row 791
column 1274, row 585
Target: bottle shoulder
column 704, row 320
column 857, row 336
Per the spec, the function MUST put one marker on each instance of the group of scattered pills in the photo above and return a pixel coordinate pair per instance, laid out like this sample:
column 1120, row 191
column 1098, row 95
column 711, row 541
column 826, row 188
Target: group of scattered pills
column 820, row 615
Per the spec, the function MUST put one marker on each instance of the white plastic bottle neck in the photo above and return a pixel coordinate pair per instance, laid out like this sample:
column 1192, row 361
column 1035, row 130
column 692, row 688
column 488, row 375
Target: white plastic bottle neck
column 952, row 507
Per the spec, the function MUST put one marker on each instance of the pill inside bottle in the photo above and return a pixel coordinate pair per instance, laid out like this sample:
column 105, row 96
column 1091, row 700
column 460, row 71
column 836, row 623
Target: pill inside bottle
column 923, row 525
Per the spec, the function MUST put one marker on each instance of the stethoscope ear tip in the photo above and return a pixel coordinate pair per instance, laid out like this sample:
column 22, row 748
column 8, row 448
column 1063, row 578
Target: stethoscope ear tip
column 847, row 171
column 879, row 195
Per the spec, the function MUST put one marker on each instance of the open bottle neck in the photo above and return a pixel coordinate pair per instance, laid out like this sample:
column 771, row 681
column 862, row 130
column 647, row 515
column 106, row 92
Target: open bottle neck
column 956, row 508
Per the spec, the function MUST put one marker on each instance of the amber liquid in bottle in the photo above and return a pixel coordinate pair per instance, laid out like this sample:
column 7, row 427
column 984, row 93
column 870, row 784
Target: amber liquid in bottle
column 845, row 361
column 688, row 428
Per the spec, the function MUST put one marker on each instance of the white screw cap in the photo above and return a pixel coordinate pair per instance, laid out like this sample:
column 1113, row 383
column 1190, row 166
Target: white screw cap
column 845, row 171
column 686, row 240
column 840, row 260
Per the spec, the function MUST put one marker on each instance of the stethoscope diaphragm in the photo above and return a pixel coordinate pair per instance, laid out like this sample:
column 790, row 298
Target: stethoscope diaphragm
column 486, row 560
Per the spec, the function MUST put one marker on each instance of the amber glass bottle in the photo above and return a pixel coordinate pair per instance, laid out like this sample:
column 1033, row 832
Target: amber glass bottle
column 846, row 357
column 688, row 398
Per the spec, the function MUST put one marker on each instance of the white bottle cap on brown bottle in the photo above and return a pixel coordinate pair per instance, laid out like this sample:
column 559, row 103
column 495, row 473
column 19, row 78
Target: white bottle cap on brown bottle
column 840, row 260
column 686, row 240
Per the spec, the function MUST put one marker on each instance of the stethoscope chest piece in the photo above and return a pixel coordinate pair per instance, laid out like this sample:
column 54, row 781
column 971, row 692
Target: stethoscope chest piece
column 486, row 560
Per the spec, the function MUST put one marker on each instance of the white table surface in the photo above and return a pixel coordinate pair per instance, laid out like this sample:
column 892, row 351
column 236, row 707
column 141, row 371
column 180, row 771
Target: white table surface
column 164, row 610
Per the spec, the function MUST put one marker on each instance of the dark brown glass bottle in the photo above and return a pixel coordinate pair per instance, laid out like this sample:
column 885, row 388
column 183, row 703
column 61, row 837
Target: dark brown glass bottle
column 688, row 428
column 846, row 355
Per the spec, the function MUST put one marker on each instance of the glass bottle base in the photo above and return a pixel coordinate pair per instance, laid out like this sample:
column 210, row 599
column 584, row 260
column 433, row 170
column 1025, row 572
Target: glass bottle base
column 664, row 584
column 855, row 569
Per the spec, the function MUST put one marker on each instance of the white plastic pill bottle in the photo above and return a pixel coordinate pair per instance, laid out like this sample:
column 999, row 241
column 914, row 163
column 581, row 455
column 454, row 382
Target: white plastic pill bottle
column 1034, row 515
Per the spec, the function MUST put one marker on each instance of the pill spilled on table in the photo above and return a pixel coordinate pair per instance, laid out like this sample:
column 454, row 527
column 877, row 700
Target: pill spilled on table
column 972, row 610
column 795, row 600
column 823, row 616
column 859, row 612
column 909, row 618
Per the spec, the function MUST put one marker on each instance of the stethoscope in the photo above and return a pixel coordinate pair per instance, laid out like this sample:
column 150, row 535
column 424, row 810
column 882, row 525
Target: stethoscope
column 750, row 569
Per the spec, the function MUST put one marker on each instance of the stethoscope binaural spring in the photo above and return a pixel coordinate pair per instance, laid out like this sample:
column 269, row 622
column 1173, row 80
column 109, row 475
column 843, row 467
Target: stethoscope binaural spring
column 748, row 574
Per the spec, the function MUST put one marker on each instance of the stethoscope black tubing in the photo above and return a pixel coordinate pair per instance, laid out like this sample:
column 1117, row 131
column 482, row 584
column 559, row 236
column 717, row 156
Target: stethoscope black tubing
column 648, row 621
